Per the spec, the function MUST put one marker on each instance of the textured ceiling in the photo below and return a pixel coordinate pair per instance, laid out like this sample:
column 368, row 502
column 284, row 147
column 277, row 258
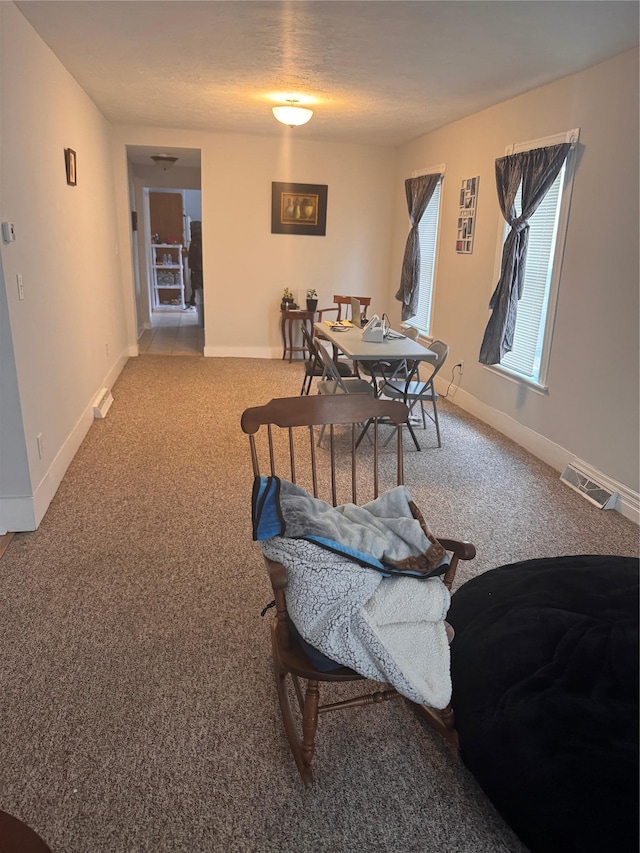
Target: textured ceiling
column 378, row 72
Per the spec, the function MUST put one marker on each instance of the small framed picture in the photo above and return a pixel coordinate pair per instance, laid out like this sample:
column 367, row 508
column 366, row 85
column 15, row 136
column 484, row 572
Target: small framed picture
column 467, row 215
column 70, row 165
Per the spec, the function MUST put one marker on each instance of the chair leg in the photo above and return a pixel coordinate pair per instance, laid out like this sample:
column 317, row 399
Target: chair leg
column 301, row 748
column 413, row 435
column 442, row 721
column 309, row 722
column 306, row 385
column 437, row 423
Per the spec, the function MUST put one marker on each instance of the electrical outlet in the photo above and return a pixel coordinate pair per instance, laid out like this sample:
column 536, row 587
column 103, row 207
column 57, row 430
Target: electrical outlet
column 460, row 364
column 20, row 284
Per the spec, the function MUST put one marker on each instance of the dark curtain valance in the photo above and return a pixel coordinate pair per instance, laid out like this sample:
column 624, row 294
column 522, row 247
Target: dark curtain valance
column 419, row 191
column 536, row 170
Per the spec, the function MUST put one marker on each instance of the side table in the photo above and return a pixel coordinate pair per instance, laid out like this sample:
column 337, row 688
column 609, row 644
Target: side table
column 287, row 321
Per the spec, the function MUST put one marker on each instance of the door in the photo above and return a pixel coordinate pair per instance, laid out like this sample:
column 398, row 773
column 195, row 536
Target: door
column 166, row 213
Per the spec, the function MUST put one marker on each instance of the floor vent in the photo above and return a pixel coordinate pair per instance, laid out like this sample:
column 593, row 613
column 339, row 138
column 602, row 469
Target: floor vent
column 594, row 492
column 102, row 403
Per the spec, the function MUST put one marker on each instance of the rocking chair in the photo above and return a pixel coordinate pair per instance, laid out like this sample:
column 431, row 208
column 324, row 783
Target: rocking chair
column 295, row 455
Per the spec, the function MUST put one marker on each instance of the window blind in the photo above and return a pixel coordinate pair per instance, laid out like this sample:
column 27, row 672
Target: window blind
column 428, row 238
column 532, row 307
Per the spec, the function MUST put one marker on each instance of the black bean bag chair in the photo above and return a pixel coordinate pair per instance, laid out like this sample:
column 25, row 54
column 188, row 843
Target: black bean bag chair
column 544, row 666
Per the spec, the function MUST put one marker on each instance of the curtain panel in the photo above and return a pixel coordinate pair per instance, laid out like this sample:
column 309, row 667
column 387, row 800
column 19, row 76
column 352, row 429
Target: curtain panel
column 536, row 169
column 419, row 191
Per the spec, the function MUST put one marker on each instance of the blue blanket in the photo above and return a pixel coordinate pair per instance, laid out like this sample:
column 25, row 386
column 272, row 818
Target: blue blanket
column 384, row 534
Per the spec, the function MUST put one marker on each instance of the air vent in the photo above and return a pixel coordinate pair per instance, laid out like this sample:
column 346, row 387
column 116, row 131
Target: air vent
column 102, row 403
column 594, row 492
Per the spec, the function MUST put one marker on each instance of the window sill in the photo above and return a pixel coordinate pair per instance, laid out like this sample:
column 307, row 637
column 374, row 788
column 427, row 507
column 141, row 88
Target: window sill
column 505, row 373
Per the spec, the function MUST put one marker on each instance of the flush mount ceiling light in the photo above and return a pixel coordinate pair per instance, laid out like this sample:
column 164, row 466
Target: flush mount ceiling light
column 292, row 115
column 165, row 161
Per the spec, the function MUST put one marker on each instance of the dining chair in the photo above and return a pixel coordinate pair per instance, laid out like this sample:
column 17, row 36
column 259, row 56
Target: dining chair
column 395, row 368
column 282, row 443
column 414, row 390
column 333, row 382
column 342, row 307
column 314, row 367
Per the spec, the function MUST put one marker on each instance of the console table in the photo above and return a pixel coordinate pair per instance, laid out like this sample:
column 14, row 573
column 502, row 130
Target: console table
column 289, row 325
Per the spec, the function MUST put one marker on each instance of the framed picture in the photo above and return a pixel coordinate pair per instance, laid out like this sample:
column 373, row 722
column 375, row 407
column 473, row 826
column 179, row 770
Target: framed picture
column 70, row 165
column 299, row 209
column 467, row 215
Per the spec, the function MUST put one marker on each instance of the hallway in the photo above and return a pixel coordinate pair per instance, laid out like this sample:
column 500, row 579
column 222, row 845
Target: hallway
column 173, row 333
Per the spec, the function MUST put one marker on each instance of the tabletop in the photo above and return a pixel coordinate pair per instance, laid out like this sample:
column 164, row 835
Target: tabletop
column 351, row 344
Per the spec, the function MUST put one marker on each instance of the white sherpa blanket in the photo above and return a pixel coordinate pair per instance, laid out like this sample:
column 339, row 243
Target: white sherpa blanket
column 386, row 628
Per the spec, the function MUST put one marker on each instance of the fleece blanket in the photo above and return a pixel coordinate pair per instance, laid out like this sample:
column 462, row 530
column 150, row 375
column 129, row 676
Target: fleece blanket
column 362, row 585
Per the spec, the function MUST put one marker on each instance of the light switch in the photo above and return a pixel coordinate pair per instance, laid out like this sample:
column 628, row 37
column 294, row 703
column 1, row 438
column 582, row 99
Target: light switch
column 8, row 232
column 20, row 286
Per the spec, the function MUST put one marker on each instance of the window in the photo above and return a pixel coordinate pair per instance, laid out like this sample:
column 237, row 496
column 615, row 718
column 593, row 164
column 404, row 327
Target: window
column 525, row 357
column 529, row 358
column 428, row 237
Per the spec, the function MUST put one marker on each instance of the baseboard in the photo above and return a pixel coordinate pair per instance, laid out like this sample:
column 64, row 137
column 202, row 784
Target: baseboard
column 242, row 352
column 543, row 448
column 26, row 512
column 17, row 514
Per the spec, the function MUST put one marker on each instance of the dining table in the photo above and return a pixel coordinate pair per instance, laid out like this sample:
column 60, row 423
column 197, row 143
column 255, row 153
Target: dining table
column 395, row 346
column 380, row 355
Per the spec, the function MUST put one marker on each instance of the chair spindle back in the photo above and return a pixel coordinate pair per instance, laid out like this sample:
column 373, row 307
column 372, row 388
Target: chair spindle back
column 340, row 413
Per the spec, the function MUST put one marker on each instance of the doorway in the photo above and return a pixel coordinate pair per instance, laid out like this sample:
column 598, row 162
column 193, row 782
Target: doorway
column 166, row 203
column 177, row 333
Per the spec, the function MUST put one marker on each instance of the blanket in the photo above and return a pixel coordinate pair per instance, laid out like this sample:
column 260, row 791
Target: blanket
column 362, row 587
column 388, row 534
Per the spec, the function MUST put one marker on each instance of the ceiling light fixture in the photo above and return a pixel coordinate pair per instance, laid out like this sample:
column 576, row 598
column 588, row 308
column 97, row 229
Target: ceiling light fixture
column 165, row 161
column 292, row 115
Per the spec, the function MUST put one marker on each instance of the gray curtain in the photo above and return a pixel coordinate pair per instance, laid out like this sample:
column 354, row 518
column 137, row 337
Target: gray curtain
column 419, row 191
column 537, row 169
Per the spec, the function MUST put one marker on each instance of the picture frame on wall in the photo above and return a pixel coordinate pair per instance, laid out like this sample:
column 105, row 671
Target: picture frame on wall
column 467, row 215
column 70, row 166
column 299, row 208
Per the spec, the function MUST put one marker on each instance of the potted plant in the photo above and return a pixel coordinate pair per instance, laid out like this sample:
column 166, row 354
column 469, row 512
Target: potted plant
column 287, row 300
column 312, row 299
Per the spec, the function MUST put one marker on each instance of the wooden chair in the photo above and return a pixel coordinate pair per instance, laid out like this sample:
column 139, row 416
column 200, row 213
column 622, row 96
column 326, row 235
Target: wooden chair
column 282, row 442
column 342, row 308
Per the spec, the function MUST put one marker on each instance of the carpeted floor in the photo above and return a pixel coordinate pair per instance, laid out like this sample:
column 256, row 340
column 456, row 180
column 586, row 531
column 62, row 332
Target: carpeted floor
column 137, row 706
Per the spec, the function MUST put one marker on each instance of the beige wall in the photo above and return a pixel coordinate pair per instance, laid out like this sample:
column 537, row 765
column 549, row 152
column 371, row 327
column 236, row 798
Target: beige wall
column 66, row 251
column 246, row 266
column 591, row 410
